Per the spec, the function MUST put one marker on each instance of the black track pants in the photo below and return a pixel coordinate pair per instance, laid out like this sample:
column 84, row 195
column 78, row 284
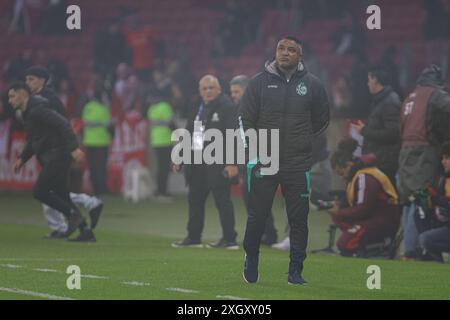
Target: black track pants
column 295, row 187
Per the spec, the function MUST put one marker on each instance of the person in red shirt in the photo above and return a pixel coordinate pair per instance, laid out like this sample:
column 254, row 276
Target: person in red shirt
column 142, row 41
column 373, row 213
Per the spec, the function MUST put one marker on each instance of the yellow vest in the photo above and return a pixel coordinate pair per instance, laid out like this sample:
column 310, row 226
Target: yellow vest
column 386, row 184
column 96, row 118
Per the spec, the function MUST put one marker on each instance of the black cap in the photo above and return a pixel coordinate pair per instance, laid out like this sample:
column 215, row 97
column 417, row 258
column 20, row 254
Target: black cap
column 39, row 72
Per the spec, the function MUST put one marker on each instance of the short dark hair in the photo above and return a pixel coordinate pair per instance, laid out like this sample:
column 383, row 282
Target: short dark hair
column 382, row 75
column 19, row 86
column 445, row 149
column 241, row 81
column 39, row 72
column 292, row 38
column 344, row 153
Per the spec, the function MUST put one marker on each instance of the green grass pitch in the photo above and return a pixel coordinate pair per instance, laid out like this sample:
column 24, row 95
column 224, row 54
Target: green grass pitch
column 133, row 259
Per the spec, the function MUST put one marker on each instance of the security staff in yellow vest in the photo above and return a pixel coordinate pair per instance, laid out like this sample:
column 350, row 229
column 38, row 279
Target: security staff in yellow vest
column 96, row 139
column 160, row 116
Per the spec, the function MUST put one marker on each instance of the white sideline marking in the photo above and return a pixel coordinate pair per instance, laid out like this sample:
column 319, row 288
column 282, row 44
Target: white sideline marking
column 34, row 294
column 136, row 283
column 11, row 266
column 45, row 270
column 230, row 297
column 90, row 276
column 182, row 290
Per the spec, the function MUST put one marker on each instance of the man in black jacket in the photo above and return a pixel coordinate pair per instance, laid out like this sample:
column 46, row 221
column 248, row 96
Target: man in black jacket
column 51, row 139
column 237, row 88
column 382, row 131
column 288, row 98
column 215, row 112
column 37, row 79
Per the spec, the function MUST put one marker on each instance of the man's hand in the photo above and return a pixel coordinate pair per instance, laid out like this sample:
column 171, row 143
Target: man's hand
column 334, row 209
column 176, row 168
column 18, row 165
column 78, row 155
column 231, row 171
column 358, row 126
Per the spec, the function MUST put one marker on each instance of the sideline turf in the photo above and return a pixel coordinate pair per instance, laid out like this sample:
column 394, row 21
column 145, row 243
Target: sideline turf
column 134, row 246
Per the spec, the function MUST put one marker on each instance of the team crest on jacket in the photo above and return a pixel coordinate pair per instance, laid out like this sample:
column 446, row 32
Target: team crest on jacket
column 301, row 89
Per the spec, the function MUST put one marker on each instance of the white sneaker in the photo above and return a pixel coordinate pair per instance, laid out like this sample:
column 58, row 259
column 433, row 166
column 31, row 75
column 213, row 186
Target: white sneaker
column 283, row 245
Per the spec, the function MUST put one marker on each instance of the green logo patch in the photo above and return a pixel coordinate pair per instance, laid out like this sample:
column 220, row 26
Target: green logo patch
column 301, row 89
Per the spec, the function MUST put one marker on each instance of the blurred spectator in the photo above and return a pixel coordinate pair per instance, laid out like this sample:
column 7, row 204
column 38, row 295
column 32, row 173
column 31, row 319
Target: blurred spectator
column 119, row 90
column 109, row 50
column 96, row 139
column 14, row 70
column 381, row 132
column 166, row 86
column 237, row 88
column 372, row 213
column 145, row 46
column 425, row 116
column 185, row 82
column 160, row 116
column 95, row 86
column 122, row 74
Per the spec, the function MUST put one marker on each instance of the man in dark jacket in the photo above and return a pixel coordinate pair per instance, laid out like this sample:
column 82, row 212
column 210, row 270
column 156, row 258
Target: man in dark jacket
column 215, row 112
column 285, row 97
column 381, row 133
column 51, row 139
column 425, row 116
column 237, row 88
column 37, row 79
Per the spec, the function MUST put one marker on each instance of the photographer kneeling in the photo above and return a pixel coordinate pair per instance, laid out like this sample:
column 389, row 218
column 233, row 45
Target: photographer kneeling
column 372, row 213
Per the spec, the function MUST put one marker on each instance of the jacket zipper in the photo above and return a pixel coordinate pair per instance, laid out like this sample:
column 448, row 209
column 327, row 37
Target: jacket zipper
column 284, row 120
